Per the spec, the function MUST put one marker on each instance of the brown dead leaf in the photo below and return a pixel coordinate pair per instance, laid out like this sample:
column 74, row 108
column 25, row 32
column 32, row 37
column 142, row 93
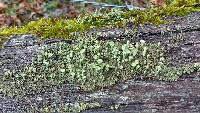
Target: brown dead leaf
column 158, row 2
column 6, row 20
column 16, row 21
column 2, row 20
column 24, row 4
column 37, row 7
column 2, row 7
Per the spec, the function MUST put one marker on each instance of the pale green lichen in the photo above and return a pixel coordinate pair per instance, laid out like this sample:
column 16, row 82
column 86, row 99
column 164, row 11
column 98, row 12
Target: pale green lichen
column 72, row 108
column 92, row 65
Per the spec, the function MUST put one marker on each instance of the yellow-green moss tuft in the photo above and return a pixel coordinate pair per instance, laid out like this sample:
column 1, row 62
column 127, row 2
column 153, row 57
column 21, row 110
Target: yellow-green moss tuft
column 179, row 3
column 63, row 28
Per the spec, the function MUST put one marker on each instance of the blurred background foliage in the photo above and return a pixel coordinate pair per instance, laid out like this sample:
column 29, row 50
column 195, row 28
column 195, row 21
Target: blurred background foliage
column 19, row 12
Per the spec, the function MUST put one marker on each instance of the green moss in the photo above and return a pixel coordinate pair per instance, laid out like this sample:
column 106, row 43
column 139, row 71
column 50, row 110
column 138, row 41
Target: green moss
column 63, row 28
column 180, row 3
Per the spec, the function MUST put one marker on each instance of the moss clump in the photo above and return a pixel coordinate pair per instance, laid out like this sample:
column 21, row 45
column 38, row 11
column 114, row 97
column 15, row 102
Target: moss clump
column 180, row 3
column 62, row 28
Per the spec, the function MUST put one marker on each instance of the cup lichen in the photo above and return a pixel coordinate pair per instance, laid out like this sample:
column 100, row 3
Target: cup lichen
column 73, row 108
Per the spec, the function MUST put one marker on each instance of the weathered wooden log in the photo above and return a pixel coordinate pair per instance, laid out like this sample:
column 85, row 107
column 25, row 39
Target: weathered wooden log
column 181, row 38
